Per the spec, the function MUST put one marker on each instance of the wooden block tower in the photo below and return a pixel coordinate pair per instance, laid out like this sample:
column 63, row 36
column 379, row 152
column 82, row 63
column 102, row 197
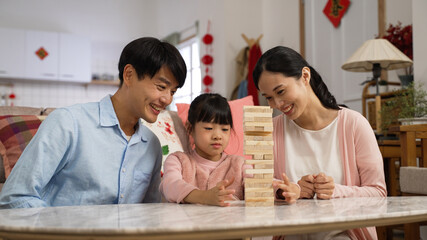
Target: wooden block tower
column 258, row 142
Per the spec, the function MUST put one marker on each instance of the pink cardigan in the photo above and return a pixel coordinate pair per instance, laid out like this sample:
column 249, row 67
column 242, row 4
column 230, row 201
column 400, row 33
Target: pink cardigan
column 184, row 173
column 362, row 161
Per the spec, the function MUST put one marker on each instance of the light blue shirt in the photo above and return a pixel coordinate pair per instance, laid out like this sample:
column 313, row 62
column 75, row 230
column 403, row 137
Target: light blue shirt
column 80, row 156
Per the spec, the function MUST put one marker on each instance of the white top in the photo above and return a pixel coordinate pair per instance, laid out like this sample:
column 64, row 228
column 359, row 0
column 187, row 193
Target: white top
column 312, row 152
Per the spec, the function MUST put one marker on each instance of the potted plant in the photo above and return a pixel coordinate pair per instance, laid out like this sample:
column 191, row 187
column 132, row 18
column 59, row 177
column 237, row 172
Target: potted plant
column 408, row 106
column 401, row 37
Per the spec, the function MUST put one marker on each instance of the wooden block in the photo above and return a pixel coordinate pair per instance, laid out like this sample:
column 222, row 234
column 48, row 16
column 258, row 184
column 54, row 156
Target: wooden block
column 266, row 137
column 259, row 194
column 259, row 161
column 259, row 204
column 259, row 176
column 268, row 156
column 256, row 152
column 268, row 175
column 263, row 166
column 256, row 119
column 258, row 171
column 259, row 143
column 260, row 147
column 258, row 183
column 257, row 109
column 258, row 124
column 257, row 130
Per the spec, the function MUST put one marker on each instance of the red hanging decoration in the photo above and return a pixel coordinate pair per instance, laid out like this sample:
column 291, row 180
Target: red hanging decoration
column 207, row 80
column 335, row 10
column 207, row 60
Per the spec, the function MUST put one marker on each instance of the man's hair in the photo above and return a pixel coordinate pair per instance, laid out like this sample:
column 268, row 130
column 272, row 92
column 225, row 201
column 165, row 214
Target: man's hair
column 147, row 55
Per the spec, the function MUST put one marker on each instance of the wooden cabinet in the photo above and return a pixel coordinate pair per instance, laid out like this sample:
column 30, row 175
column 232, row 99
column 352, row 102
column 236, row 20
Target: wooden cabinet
column 12, row 42
column 39, row 55
column 74, row 58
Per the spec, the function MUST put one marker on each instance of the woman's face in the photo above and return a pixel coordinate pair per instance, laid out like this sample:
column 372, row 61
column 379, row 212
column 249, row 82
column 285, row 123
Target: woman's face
column 287, row 94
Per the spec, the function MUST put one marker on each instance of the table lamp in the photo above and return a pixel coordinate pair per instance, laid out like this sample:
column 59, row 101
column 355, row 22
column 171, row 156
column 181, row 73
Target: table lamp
column 376, row 55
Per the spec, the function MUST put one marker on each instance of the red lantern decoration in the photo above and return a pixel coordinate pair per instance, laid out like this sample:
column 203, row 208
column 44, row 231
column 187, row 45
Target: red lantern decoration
column 207, row 39
column 207, row 60
column 207, row 80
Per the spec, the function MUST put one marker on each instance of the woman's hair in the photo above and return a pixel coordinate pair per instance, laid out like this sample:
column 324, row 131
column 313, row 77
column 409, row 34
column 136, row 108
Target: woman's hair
column 209, row 107
column 288, row 62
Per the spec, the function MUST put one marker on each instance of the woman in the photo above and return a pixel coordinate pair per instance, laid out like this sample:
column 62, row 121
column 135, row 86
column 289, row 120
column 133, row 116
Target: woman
column 330, row 151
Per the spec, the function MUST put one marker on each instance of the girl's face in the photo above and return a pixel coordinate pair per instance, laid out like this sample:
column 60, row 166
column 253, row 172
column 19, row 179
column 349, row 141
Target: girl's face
column 210, row 139
column 287, row 94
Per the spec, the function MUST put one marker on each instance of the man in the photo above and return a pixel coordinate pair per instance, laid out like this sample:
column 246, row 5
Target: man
column 100, row 153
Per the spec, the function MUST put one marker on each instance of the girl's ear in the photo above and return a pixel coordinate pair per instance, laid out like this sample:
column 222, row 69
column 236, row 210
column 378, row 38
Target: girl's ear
column 306, row 75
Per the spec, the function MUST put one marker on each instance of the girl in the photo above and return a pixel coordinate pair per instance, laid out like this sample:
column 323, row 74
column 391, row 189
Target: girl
column 206, row 175
column 330, row 151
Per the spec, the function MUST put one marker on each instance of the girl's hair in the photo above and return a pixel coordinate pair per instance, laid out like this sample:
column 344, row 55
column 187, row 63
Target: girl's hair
column 209, row 107
column 288, row 62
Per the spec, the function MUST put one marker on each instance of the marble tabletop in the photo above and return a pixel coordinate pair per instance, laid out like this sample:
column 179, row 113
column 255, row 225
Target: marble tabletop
column 186, row 221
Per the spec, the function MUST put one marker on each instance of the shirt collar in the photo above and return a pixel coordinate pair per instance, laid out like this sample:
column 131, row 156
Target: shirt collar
column 108, row 118
column 107, row 115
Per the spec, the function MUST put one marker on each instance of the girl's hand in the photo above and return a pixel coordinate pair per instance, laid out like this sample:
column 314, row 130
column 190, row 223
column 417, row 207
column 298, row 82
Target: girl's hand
column 287, row 190
column 324, row 186
column 307, row 186
column 218, row 195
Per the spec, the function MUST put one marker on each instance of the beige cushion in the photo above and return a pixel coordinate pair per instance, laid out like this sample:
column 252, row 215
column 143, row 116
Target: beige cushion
column 413, row 179
column 7, row 110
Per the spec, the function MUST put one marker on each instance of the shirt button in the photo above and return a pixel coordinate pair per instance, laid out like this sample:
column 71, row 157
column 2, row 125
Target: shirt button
column 124, row 170
column 121, row 195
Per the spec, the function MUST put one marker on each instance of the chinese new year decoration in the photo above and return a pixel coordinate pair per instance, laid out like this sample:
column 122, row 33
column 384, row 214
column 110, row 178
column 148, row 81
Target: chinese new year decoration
column 42, row 53
column 207, row 60
column 335, row 10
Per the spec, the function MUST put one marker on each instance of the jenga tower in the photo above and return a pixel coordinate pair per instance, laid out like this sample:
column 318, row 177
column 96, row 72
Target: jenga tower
column 258, row 142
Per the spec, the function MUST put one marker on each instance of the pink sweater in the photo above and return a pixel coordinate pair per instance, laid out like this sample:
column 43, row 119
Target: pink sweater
column 185, row 172
column 362, row 161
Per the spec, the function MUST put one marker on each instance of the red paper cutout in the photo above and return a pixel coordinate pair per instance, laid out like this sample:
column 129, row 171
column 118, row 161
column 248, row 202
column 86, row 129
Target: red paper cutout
column 42, row 53
column 335, row 10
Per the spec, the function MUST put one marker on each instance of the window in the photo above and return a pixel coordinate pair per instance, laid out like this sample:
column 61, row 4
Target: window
column 193, row 83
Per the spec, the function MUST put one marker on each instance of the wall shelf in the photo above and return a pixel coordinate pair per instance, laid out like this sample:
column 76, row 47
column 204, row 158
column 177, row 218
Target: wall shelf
column 105, row 82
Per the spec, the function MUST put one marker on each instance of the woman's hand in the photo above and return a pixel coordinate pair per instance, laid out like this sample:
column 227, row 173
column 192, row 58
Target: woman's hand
column 307, row 186
column 217, row 195
column 324, row 186
column 287, row 190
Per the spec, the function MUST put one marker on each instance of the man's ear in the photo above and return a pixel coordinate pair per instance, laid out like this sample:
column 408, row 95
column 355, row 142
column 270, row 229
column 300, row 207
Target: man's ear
column 128, row 72
column 306, row 75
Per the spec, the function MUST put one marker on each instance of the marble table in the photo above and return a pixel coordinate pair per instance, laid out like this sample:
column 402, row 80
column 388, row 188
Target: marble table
column 185, row 221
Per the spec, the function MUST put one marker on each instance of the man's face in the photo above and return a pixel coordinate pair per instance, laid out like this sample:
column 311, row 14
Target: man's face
column 149, row 96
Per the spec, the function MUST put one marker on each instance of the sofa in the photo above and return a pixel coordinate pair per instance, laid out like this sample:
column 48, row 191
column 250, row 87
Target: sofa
column 19, row 124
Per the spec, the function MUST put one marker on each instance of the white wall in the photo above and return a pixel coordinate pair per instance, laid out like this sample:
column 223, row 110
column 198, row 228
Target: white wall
column 109, row 24
column 277, row 20
column 419, row 8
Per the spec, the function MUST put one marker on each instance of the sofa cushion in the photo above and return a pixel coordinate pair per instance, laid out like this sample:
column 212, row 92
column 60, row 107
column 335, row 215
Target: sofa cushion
column 235, row 145
column 170, row 131
column 16, row 131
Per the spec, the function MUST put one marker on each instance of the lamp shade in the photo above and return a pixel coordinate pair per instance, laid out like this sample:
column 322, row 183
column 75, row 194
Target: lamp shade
column 376, row 51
